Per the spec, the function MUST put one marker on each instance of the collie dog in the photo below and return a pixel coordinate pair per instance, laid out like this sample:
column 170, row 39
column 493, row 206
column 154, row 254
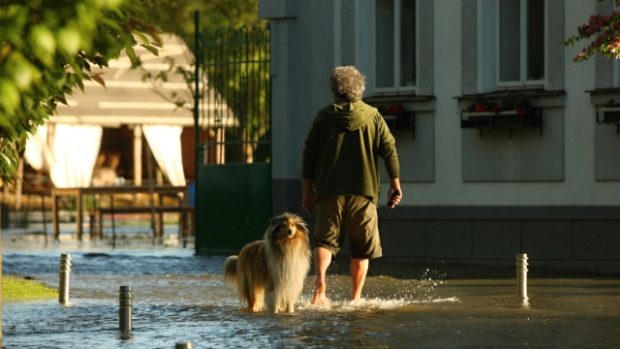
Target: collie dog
column 269, row 273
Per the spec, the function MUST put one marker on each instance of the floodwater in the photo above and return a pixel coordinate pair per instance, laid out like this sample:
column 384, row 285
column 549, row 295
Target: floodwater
column 181, row 297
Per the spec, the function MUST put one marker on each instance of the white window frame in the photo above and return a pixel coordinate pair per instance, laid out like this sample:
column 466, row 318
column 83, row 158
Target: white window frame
column 522, row 82
column 397, row 46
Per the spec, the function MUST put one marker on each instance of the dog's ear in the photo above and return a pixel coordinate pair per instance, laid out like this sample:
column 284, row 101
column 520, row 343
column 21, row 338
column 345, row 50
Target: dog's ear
column 301, row 225
column 274, row 221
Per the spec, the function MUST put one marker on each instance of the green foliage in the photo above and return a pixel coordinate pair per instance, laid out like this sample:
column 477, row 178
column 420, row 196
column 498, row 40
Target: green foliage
column 177, row 16
column 47, row 49
column 603, row 34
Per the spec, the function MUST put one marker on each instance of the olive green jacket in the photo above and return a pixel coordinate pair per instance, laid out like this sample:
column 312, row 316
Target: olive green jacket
column 342, row 150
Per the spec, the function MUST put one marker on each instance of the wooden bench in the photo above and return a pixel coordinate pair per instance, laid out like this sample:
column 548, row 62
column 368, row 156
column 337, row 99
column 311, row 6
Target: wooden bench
column 186, row 215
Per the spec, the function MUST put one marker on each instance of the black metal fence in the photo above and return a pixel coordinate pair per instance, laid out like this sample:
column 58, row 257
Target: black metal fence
column 233, row 99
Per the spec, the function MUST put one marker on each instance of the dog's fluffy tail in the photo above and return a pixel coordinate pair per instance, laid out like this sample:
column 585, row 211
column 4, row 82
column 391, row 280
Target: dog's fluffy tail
column 230, row 270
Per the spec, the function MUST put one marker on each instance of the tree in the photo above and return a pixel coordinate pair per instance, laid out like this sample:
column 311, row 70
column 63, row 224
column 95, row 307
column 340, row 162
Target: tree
column 603, row 33
column 47, row 49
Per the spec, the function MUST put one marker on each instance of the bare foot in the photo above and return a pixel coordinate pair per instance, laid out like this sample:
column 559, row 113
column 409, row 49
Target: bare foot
column 356, row 301
column 319, row 297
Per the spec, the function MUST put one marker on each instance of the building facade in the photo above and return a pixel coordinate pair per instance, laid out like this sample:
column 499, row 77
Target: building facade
column 506, row 145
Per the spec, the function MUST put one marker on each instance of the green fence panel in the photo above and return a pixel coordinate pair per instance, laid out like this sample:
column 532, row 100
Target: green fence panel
column 234, row 206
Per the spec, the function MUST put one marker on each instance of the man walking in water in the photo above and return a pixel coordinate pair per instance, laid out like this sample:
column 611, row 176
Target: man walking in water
column 341, row 178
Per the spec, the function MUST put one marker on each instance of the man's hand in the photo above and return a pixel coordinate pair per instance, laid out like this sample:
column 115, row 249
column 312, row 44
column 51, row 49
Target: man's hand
column 395, row 194
column 394, row 197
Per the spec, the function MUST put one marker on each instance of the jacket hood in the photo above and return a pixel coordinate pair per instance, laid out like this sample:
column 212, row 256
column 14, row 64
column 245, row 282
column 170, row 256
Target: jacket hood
column 350, row 115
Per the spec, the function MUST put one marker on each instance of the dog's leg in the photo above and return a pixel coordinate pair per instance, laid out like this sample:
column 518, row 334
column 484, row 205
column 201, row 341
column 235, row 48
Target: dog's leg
column 271, row 302
column 290, row 307
column 250, row 299
column 255, row 300
column 259, row 299
column 251, row 303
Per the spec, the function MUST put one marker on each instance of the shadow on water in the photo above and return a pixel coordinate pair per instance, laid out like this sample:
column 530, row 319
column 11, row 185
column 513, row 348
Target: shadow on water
column 180, row 296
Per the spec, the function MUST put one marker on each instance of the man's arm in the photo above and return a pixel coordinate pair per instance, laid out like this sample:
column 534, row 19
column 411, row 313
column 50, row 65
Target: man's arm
column 387, row 149
column 308, row 163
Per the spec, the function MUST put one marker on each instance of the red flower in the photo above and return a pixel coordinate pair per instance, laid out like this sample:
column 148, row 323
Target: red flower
column 396, row 109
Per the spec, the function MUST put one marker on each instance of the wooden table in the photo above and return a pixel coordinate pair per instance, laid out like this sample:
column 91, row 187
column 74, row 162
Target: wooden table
column 79, row 194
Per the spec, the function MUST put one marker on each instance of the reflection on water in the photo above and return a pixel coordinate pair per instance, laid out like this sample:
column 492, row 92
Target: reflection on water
column 179, row 296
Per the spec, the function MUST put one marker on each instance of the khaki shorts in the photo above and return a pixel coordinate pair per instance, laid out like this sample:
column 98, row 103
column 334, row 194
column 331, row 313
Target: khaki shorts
column 355, row 214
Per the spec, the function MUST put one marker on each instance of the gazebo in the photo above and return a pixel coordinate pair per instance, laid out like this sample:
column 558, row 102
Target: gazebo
column 97, row 138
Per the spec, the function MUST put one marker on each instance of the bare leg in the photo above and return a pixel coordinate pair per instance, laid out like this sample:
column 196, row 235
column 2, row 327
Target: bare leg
column 322, row 258
column 359, row 268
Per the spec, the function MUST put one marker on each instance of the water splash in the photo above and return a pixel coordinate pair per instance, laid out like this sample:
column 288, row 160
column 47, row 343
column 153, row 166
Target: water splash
column 368, row 304
column 383, row 293
column 439, row 300
column 341, row 306
column 430, row 280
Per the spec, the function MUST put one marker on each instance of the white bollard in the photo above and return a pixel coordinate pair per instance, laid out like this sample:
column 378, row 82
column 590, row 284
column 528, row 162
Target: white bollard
column 183, row 345
column 522, row 279
column 63, row 276
column 124, row 312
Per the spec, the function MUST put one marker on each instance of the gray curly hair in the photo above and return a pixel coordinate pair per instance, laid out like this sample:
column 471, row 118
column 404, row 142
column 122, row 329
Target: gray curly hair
column 348, row 83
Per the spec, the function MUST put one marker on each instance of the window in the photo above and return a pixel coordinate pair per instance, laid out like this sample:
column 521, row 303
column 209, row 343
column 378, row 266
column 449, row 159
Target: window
column 395, row 44
column 521, row 42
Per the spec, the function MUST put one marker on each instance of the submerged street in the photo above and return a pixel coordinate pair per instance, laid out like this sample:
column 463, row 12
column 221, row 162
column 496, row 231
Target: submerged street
column 178, row 296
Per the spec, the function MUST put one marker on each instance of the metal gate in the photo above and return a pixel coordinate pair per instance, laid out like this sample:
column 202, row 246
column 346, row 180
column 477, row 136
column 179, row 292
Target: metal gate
column 232, row 117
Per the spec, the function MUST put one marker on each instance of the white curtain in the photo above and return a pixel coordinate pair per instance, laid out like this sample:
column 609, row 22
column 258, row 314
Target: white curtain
column 165, row 143
column 74, row 151
column 36, row 147
column 71, row 156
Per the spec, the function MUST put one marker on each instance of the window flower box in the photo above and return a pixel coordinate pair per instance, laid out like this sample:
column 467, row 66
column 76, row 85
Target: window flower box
column 505, row 115
column 609, row 116
column 398, row 118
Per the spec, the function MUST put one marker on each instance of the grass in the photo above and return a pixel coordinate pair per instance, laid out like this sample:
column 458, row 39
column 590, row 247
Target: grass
column 18, row 289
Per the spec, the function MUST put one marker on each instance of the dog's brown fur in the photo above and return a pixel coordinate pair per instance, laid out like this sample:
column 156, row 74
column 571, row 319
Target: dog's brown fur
column 269, row 274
